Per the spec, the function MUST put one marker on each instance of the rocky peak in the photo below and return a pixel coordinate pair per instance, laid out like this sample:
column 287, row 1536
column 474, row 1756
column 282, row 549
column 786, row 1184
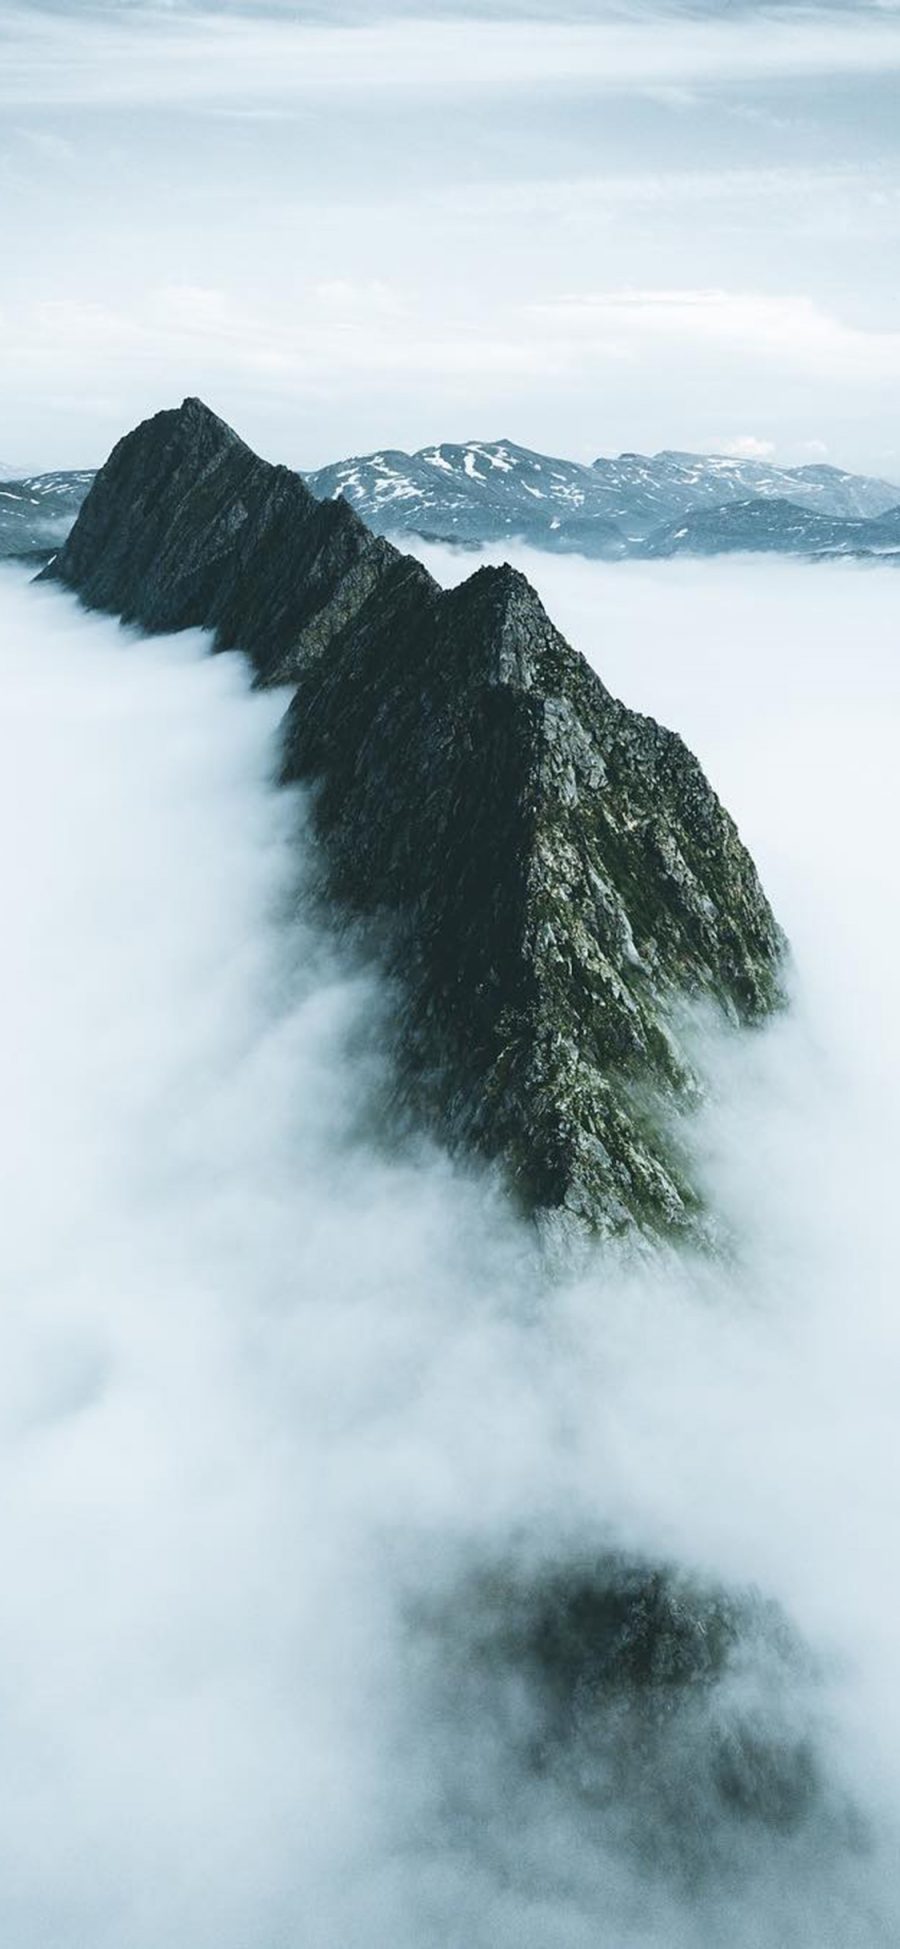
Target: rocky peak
column 547, row 874
column 186, row 527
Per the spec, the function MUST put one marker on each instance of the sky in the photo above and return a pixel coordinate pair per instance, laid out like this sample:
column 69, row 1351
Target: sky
column 589, row 228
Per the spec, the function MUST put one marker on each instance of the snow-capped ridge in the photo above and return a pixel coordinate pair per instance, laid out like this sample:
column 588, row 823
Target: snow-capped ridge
column 479, row 491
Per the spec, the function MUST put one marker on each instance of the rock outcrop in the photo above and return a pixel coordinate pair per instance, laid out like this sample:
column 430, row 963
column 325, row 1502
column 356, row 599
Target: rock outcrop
column 186, row 527
column 548, row 874
column 558, row 872
column 616, row 1684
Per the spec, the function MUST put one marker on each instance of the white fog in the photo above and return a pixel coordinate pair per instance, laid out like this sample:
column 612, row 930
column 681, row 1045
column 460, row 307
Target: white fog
column 278, row 1399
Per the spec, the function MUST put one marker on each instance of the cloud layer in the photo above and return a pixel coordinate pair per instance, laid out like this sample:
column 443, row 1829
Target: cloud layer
column 272, row 1397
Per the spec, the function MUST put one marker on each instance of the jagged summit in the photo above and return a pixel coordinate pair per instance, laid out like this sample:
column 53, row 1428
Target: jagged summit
column 546, row 873
column 186, row 526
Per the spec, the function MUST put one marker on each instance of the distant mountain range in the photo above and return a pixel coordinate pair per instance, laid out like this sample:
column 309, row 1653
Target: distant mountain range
column 37, row 512
column 494, row 490
column 479, row 492
column 773, row 527
column 645, row 506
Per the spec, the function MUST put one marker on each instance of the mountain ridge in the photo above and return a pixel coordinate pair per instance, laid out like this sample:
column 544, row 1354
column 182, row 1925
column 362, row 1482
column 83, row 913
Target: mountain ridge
column 209, row 525
column 548, row 873
column 489, row 492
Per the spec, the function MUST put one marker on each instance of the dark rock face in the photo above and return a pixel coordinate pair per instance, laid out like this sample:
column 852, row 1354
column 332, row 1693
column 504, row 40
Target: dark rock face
column 558, row 872
column 186, row 527
column 549, row 874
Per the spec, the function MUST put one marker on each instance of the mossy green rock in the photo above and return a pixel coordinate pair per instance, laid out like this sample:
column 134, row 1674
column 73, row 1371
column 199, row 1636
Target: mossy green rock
column 559, row 876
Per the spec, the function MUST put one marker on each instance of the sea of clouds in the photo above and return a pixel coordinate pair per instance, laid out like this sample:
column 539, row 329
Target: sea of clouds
column 280, row 1401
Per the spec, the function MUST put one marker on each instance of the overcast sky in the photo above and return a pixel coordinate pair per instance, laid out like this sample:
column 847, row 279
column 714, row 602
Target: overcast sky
column 586, row 227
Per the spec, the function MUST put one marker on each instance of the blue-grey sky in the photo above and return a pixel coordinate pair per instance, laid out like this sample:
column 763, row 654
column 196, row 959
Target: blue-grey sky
column 587, row 227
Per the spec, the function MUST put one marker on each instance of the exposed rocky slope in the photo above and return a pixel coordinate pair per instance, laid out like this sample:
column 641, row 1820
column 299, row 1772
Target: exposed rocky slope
column 559, row 873
column 186, row 526
column 549, row 874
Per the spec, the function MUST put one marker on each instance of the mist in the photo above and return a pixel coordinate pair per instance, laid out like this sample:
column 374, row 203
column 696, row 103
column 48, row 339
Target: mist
column 294, row 1421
